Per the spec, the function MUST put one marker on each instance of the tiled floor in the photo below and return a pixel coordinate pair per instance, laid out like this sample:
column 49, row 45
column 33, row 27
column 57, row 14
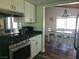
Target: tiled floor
column 55, row 52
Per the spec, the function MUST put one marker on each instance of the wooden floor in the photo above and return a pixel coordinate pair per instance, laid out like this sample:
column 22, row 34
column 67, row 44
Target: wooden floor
column 55, row 52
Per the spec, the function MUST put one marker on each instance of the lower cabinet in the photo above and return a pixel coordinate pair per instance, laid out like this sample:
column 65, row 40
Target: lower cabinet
column 35, row 45
column 38, row 45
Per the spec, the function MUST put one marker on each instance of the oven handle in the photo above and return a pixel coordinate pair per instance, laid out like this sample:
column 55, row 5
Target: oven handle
column 19, row 47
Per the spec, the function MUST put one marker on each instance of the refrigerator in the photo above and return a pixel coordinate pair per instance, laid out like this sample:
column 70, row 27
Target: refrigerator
column 76, row 37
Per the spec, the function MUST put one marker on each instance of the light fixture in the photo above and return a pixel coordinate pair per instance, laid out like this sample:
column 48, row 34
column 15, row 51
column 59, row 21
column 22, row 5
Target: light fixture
column 65, row 14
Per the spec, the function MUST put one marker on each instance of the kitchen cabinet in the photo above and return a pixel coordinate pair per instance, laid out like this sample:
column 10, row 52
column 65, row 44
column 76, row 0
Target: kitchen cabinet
column 29, row 12
column 12, row 5
column 18, row 6
column 35, row 45
column 32, row 13
column 6, row 5
column 38, row 39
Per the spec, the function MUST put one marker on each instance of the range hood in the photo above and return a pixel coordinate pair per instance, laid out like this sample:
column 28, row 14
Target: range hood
column 10, row 13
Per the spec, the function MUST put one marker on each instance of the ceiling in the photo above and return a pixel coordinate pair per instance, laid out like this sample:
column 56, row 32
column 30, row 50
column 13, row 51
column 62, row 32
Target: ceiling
column 69, row 5
column 50, row 2
column 46, row 2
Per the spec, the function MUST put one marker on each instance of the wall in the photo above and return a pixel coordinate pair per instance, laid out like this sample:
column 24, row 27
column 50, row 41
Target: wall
column 50, row 2
column 39, row 18
column 53, row 12
column 1, row 23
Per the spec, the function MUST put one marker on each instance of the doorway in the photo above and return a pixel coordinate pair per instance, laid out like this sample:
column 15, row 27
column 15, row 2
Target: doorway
column 59, row 31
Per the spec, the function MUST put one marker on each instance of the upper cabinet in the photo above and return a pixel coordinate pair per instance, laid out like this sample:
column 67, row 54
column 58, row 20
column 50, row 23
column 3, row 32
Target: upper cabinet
column 29, row 12
column 12, row 5
column 32, row 12
column 6, row 5
column 18, row 6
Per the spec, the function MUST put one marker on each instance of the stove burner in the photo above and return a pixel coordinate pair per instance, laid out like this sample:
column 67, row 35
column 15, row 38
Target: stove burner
column 16, row 39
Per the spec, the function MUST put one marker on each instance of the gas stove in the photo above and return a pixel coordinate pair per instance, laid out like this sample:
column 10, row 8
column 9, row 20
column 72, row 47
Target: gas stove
column 19, row 46
column 16, row 39
column 15, row 45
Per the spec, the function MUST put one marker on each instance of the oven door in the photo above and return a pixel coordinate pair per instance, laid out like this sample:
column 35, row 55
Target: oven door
column 21, row 52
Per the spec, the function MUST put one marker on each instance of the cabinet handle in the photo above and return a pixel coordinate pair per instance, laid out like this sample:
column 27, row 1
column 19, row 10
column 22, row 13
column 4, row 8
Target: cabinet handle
column 11, row 6
column 14, row 8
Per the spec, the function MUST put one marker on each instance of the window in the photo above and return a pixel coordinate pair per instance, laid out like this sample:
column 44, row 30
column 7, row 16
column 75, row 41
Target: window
column 66, row 25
